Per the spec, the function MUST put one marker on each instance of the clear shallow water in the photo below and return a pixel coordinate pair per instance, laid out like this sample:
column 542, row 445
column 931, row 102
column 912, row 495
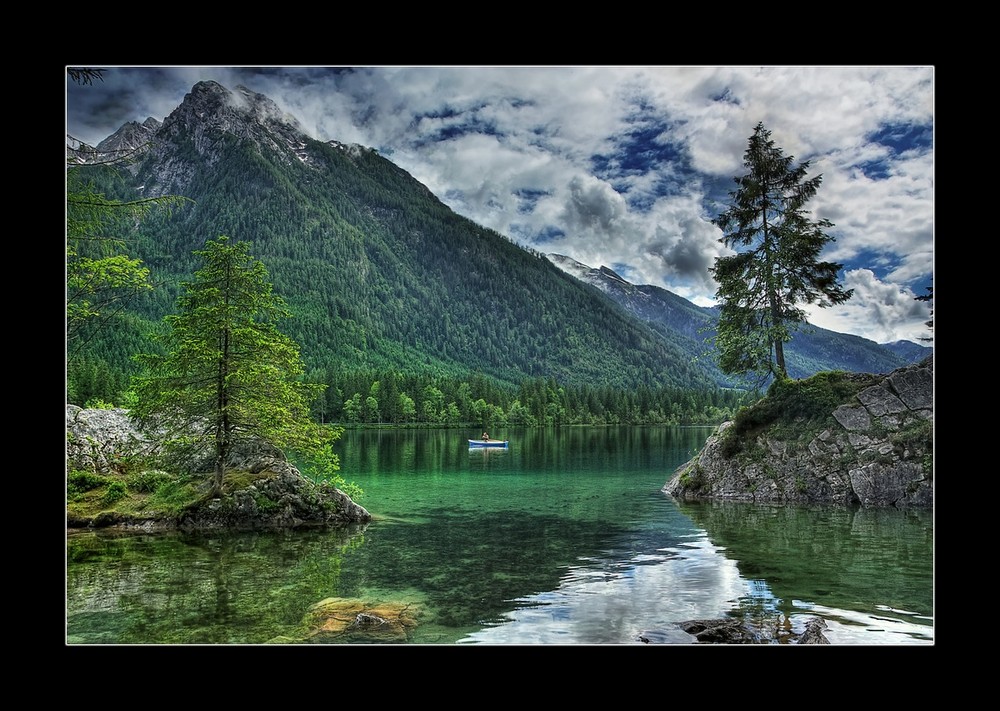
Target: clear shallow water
column 564, row 538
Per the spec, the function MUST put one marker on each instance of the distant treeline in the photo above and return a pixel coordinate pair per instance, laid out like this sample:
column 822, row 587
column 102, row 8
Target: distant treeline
column 392, row 398
column 398, row 399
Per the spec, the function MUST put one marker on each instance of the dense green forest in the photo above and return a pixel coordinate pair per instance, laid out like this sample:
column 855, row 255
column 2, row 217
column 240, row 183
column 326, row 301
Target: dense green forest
column 394, row 366
column 393, row 398
column 393, row 296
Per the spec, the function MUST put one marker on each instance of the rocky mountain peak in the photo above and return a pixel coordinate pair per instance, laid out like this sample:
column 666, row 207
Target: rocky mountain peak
column 209, row 106
column 604, row 278
column 130, row 137
column 120, row 147
column 207, row 120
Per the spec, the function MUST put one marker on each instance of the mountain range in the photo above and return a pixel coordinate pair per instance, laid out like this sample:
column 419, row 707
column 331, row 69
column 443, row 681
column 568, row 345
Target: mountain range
column 381, row 275
column 812, row 349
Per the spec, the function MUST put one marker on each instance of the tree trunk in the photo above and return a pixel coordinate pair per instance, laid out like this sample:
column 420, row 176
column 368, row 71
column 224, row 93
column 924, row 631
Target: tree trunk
column 220, row 473
column 779, row 357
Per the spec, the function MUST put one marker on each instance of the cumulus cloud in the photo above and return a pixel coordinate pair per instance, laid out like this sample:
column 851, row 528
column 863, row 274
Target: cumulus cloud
column 881, row 311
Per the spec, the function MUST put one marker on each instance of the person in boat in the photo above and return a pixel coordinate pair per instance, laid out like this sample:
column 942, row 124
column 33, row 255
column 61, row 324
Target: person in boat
column 486, row 437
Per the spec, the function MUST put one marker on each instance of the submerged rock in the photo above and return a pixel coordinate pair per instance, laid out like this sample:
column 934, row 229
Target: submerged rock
column 730, row 630
column 359, row 621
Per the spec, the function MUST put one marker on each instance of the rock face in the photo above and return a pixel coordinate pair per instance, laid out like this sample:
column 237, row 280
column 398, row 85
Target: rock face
column 877, row 452
column 276, row 495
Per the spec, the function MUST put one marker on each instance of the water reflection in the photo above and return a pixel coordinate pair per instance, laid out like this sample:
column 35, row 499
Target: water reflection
column 564, row 538
column 246, row 588
column 867, row 567
column 599, row 603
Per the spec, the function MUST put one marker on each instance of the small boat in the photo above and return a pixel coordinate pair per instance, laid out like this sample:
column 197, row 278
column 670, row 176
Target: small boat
column 488, row 443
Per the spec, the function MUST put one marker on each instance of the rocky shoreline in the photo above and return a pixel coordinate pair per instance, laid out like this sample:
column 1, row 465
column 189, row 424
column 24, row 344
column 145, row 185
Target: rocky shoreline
column 876, row 451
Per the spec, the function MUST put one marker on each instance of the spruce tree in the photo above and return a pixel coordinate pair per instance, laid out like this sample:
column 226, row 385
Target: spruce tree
column 228, row 376
column 761, row 287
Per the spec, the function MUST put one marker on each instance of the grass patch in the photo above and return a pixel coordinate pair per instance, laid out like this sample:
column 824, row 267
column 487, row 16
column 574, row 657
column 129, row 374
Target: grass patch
column 148, row 481
column 175, row 496
column 151, row 494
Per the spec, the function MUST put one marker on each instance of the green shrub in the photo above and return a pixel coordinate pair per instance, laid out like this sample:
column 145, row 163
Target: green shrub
column 693, row 477
column 917, row 432
column 323, row 466
column 116, row 491
column 148, row 481
column 98, row 404
column 81, row 480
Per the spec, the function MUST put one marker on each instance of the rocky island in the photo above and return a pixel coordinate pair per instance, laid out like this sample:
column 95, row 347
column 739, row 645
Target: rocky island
column 851, row 439
column 110, row 485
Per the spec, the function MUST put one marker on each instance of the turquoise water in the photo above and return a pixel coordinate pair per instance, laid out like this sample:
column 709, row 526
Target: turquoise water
column 564, row 538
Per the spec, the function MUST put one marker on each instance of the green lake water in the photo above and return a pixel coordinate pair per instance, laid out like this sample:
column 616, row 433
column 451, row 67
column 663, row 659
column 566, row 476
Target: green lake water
column 563, row 538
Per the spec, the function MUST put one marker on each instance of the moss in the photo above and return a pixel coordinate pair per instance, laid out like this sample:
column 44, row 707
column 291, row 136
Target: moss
column 796, row 410
column 239, row 479
column 693, row 478
column 265, row 503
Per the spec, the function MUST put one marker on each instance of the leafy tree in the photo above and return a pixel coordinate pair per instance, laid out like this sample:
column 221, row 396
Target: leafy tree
column 102, row 281
column 760, row 288
column 228, row 375
column 352, row 408
column 100, row 278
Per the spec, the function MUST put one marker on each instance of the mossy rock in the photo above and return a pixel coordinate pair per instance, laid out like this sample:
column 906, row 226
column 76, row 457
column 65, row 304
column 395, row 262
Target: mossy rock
column 354, row 620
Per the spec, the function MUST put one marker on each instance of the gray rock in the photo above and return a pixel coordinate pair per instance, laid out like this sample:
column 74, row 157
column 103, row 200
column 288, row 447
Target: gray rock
column 726, row 630
column 879, row 401
column 879, row 452
column 854, row 418
column 915, row 386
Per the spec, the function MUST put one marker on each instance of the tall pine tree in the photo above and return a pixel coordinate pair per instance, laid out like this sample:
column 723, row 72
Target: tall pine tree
column 228, row 375
column 761, row 287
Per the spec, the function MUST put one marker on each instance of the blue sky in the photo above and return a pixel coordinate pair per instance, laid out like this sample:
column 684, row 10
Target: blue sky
column 622, row 166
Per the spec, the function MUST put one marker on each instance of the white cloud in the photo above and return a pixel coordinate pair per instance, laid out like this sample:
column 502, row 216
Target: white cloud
column 883, row 312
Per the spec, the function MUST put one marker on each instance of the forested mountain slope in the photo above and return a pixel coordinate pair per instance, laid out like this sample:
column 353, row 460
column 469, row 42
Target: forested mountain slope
column 378, row 272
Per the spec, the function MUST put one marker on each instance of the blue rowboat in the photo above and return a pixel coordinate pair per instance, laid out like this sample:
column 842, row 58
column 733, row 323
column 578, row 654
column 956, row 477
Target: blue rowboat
column 488, row 443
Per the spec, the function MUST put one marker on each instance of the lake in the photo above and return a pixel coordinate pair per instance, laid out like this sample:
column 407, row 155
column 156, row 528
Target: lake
column 564, row 538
